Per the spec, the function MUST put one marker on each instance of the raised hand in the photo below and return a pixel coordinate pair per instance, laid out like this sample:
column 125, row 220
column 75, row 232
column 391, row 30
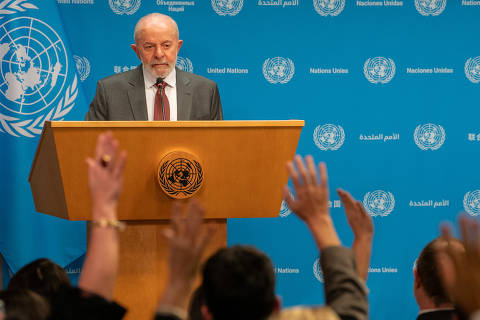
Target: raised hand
column 362, row 226
column 105, row 178
column 311, row 200
column 464, row 285
column 105, row 171
column 187, row 241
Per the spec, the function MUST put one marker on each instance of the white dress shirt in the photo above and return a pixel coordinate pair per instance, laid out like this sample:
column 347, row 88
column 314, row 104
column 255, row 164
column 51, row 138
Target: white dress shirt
column 170, row 91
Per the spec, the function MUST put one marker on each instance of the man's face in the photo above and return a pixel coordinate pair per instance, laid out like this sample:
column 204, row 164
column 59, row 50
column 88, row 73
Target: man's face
column 157, row 47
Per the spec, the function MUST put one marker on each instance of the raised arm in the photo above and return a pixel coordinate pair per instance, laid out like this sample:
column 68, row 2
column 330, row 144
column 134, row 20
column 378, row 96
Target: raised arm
column 311, row 200
column 345, row 293
column 105, row 179
column 463, row 284
column 362, row 227
column 187, row 241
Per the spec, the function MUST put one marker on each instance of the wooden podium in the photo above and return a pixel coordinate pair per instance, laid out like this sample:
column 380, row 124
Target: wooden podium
column 243, row 165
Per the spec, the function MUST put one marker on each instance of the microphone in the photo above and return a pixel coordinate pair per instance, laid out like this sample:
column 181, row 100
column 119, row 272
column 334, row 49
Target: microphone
column 159, row 81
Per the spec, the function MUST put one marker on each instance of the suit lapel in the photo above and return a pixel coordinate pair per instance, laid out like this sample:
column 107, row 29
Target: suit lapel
column 136, row 95
column 184, row 96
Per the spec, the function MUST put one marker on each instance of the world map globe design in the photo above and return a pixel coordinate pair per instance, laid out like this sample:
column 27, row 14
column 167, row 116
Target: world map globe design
column 278, row 70
column 379, row 203
column 471, row 202
column 33, row 65
column 180, row 177
column 379, row 69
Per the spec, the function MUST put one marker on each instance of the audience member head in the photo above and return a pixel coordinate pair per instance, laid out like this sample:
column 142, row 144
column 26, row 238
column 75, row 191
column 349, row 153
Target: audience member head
column 157, row 43
column 195, row 306
column 238, row 283
column 24, row 305
column 432, row 265
column 41, row 276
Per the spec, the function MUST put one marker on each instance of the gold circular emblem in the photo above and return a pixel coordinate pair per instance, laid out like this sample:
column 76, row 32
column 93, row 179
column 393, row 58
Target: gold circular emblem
column 180, row 175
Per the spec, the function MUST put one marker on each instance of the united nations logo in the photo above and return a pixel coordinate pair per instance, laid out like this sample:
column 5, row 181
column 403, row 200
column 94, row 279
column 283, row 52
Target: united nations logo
column 278, row 70
column 284, row 210
column 184, row 64
column 180, row 175
column 472, row 69
column 83, row 67
column 329, row 137
column 429, row 136
column 317, row 270
column 430, row 7
column 34, row 71
column 124, row 6
column 471, row 202
column 329, row 7
column 227, row 7
column 379, row 69
column 379, row 203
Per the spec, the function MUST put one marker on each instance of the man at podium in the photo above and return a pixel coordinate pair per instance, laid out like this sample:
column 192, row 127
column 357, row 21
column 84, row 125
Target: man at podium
column 157, row 89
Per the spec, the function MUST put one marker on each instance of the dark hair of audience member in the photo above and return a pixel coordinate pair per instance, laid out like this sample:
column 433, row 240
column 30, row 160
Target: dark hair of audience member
column 195, row 306
column 239, row 283
column 24, row 305
column 428, row 270
column 41, row 276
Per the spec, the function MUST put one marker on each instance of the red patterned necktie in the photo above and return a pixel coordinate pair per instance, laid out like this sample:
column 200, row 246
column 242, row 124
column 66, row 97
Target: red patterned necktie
column 161, row 109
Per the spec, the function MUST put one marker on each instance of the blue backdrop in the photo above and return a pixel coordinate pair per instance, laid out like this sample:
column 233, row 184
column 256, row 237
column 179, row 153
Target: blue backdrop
column 388, row 91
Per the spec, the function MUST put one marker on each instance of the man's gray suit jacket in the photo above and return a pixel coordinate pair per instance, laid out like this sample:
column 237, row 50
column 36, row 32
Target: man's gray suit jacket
column 121, row 97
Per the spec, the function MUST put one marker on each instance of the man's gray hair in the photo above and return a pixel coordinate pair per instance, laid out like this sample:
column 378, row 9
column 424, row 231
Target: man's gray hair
column 154, row 17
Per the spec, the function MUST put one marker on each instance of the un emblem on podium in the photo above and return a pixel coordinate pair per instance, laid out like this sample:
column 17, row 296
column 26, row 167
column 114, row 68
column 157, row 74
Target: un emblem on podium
column 329, row 7
column 430, row 7
column 471, row 202
column 180, row 175
column 379, row 203
column 379, row 69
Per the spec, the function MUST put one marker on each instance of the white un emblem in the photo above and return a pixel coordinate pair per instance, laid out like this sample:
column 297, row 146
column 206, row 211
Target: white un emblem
column 430, row 7
column 278, row 70
column 471, row 202
column 329, row 137
column 34, row 69
column 429, row 136
column 472, row 69
column 379, row 203
column 317, row 270
column 284, row 210
column 124, row 6
column 83, row 67
column 227, row 7
column 184, row 64
column 379, row 69
column 329, row 7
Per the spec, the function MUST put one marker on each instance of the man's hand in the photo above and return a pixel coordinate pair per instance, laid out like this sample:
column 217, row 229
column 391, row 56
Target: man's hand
column 187, row 241
column 311, row 200
column 105, row 173
column 362, row 227
column 464, row 286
